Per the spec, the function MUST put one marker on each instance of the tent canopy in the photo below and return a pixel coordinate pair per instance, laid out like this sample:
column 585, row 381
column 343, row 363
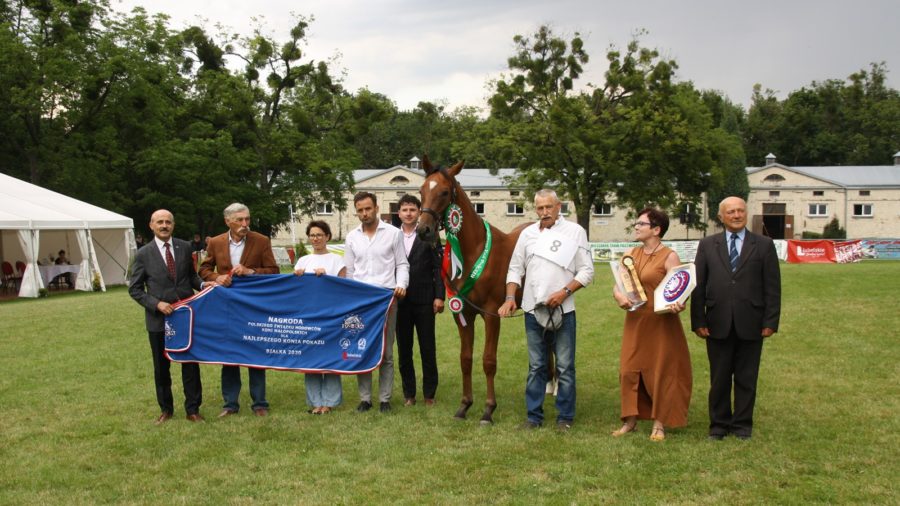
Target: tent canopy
column 36, row 222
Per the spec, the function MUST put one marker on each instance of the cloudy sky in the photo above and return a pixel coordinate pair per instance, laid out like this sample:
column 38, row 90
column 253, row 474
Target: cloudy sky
column 448, row 51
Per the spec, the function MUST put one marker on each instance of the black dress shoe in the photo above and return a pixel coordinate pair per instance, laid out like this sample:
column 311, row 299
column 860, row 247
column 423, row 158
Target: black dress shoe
column 385, row 407
column 743, row 437
column 716, row 437
column 364, row 406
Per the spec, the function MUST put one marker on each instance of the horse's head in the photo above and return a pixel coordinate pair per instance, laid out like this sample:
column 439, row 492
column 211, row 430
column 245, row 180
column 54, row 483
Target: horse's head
column 438, row 192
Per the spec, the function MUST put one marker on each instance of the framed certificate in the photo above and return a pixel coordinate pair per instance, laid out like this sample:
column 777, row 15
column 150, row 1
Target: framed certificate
column 676, row 286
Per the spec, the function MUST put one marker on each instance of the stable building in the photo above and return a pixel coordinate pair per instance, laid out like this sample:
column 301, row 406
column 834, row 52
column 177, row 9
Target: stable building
column 786, row 201
column 502, row 203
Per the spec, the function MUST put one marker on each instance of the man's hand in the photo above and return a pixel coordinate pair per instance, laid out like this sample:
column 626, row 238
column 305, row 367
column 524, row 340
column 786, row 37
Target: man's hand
column 556, row 298
column 299, row 272
column 767, row 332
column 399, row 292
column 507, row 309
column 164, row 308
column 240, row 270
column 438, row 306
column 223, row 280
column 702, row 332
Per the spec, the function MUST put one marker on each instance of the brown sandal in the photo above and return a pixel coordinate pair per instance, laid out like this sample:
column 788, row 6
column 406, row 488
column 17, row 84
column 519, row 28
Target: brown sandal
column 625, row 429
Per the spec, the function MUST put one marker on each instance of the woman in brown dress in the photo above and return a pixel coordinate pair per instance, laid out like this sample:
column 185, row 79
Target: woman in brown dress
column 655, row 366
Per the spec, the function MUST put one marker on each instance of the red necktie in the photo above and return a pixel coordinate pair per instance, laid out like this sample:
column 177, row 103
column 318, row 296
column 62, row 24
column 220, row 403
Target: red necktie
column 170, row 262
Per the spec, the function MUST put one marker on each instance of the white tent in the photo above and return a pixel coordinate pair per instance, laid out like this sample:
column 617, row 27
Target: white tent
column 36, row 223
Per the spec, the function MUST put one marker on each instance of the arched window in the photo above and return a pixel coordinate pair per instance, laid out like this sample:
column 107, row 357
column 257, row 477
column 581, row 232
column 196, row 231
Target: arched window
column 774, row 178
column 398, row 180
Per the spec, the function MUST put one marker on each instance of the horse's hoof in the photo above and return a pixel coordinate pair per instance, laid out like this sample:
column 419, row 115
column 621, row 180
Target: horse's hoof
column 486, row 421
column 459, row 417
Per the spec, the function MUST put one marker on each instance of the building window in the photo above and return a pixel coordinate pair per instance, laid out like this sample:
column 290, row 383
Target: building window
column 862, row 210
column 774, row 178
column 818, row 193
column 479, row 208
column 818, row 210
column 324, row 208
column 564, row 210
column 514, row 193
column 774, row 193
column 474, row 194
column 398, row 180
column 863, row 193
column 602, row 210
column 513, row 209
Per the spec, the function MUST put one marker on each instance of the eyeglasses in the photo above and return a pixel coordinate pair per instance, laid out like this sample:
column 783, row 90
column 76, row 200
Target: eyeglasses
column 641, row 224
column 315, row 236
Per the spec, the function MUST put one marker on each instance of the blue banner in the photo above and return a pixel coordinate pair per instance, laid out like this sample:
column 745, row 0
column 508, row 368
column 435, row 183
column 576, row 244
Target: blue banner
column 303, row 323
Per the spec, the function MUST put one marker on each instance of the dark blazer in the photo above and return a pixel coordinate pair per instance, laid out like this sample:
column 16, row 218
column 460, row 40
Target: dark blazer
column 257, row 256
column 425, row 283
column 150, row 281
column 750, row 297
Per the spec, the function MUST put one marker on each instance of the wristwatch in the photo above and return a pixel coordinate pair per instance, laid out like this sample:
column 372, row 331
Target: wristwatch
column 568, row 292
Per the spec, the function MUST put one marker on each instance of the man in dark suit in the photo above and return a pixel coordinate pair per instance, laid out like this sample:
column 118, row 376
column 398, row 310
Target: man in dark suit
column 164, row 273
column 424, row 298
column 737, row 303
column 239, row 252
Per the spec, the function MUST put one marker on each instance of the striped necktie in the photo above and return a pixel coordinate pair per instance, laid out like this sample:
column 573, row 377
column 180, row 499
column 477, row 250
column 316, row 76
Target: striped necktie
column 732, row 252
column 170, row 262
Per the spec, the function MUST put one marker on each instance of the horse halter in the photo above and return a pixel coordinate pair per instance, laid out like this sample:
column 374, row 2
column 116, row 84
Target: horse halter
column 439, row 222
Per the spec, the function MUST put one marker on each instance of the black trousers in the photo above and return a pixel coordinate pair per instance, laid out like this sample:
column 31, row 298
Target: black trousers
column 190, row 379
column 732, row 362
column 421, row 318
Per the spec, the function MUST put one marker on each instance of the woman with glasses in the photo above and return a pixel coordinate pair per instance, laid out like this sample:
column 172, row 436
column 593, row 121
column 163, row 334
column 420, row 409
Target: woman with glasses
column 323, row 391
column 655, row 367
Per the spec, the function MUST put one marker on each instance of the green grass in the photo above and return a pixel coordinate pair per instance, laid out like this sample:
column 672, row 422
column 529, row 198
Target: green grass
column 77, row 408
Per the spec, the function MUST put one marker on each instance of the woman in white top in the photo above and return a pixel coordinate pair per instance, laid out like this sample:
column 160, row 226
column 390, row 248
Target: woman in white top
column 323, row 391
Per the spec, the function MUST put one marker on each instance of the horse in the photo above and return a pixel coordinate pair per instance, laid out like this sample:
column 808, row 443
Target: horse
column 439, row 191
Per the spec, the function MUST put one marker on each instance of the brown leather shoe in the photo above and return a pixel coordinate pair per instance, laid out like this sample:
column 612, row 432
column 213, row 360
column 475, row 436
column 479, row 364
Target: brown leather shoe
column 429, row 402
column 195, row 417
column 261, row 412
column 410, row 401
column 227, row 412
column 163, row 418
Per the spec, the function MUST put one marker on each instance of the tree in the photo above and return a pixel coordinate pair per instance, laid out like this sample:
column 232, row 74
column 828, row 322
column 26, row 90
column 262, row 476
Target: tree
column 828, row 123
column 639, row 139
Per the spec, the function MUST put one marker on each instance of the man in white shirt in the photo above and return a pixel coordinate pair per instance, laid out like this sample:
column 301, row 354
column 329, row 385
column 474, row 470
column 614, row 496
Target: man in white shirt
column 374, row 254
column 554, row 254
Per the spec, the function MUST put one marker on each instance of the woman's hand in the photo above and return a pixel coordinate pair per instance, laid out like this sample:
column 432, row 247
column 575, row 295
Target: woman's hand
column 676, row 307
column 622, row 300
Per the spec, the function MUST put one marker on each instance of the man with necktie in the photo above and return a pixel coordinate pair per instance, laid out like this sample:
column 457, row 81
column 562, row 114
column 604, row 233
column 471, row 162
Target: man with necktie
column 735, row 306
column 163, row 273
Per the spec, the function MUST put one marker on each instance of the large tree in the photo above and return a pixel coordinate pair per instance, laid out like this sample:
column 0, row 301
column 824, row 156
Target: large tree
column 835, row 122
column 639, row 139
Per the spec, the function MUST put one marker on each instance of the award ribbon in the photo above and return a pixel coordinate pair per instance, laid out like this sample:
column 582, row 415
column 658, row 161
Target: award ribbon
column 453, row 267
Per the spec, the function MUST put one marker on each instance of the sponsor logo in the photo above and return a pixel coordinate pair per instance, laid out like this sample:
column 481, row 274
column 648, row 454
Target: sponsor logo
column 353, row 324
column 361, row 344
column 345, row 343
column 810, row 252
column 170, row 332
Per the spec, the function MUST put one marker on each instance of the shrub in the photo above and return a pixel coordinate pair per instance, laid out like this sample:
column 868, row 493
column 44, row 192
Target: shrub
column 833, row 230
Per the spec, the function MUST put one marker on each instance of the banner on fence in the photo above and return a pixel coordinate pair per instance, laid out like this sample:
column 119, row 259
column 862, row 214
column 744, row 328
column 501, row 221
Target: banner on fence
column 810, row 252
column 303, row 323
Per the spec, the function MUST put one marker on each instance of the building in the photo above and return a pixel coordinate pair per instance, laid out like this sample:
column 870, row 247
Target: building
column 503, row 205
column 786, row 201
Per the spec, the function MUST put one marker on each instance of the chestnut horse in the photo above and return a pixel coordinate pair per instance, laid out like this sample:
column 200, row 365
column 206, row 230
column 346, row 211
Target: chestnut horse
column 439, row 190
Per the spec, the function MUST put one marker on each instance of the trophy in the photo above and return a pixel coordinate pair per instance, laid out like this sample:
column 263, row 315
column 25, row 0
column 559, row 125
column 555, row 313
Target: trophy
column 628, row 282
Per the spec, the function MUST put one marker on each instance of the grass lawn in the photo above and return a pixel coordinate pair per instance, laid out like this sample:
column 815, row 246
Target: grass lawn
column 78, row 404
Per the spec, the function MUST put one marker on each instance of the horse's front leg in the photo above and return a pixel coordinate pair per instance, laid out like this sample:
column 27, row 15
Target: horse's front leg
column 466, row 345
column 489, row 363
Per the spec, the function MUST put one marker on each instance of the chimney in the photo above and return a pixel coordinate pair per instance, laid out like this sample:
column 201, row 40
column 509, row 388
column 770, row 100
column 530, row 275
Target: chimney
column 897, row 158
column 770, row 159
column 415, row 163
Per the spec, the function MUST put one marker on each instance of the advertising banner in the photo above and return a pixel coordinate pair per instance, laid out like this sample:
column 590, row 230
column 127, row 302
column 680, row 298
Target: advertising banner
column 303, row 323
column 846, row 252
column 810, row 252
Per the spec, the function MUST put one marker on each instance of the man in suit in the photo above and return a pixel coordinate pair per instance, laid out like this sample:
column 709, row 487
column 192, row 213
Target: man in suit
column 424, row 298
column 737, row 304
column 239, row 252
column 164, row 273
